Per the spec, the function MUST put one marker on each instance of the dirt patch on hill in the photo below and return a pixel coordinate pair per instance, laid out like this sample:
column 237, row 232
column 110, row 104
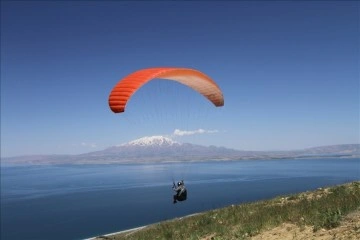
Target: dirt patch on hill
column 349, row 228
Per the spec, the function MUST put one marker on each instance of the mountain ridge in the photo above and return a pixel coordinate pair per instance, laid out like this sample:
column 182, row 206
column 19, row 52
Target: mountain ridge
column 156, row 149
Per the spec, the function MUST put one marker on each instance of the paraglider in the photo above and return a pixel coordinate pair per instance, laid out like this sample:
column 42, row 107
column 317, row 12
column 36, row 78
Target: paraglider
column 181, row 192
column 198, row 81
column 192, row 78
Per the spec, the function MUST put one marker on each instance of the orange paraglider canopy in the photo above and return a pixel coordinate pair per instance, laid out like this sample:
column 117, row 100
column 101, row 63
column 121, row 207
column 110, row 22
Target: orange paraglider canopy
column 196, row 80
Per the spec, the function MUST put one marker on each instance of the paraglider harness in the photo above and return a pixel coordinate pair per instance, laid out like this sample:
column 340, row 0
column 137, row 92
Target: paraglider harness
column 181, row 192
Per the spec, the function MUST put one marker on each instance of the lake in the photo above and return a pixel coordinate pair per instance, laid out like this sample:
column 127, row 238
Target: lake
column 81, row 201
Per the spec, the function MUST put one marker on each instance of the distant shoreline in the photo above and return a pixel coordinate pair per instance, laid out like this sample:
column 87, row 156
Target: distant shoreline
column 128, row 154
column 142, row 162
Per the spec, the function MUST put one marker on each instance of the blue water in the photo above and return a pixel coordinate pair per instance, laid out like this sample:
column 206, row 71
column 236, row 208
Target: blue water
column 76, row 202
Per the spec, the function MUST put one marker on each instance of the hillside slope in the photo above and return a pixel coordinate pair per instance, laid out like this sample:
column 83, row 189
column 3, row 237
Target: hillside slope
column 327, row 213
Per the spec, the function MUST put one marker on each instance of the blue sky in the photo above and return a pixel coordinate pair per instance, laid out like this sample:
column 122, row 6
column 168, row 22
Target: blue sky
column 289, row 72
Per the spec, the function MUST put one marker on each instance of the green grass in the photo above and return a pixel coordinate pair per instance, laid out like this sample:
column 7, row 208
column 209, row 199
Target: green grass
column 323, row 208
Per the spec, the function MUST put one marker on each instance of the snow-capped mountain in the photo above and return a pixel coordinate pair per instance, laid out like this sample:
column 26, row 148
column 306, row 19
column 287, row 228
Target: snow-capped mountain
column 163, row 149
column 152, row 141
column 157, row 147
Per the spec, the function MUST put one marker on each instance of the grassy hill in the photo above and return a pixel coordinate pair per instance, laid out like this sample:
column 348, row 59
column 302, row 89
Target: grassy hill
column 332, row 212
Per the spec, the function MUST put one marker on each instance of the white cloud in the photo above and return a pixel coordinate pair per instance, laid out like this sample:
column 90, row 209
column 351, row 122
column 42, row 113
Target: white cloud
column 178, row 132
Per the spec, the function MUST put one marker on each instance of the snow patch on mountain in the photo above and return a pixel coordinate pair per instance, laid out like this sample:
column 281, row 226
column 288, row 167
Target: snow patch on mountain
column 152, row 141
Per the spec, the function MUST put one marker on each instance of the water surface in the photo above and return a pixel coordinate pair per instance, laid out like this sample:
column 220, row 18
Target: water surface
column 80, row 201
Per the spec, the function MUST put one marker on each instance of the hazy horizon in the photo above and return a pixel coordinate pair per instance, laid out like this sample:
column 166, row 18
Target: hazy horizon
column 181, row 142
